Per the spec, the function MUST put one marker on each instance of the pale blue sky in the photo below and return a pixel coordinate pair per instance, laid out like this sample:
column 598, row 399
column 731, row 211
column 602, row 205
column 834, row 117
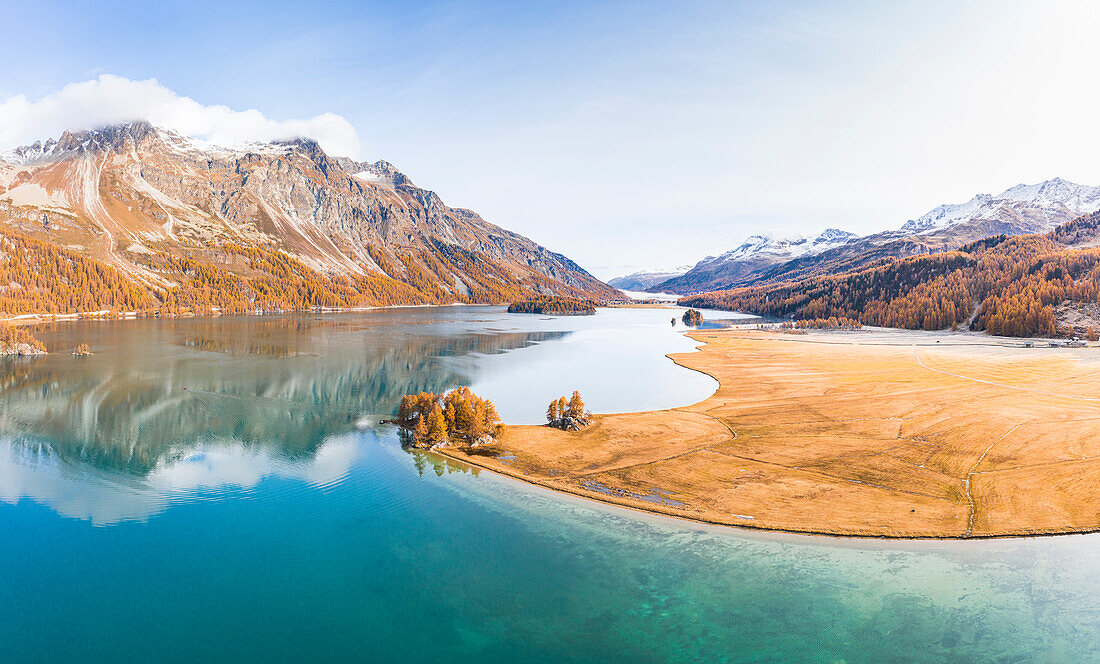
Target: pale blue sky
column 632, row 134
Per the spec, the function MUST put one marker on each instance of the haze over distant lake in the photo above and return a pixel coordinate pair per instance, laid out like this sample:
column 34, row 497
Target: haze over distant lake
column 221, row 490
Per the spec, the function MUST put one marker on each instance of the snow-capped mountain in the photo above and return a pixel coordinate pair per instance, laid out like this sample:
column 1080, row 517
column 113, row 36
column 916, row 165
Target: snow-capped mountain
column 644, row 279
column 28, row 153
column 752, row 257
column 141, row 198
column 1055, row 198
column 1024, row 208
column 785, row 248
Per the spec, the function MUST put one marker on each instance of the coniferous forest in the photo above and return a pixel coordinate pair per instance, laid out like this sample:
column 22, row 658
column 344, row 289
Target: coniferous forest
column 44, row 278
column 555, row 306
column 1009, row 286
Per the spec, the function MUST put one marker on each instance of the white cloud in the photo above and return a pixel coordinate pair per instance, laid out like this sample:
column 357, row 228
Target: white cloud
column 104, row 497
column 111, row 99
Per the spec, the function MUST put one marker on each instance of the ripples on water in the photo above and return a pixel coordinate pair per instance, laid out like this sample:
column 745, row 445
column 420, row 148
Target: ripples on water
column 219, row 490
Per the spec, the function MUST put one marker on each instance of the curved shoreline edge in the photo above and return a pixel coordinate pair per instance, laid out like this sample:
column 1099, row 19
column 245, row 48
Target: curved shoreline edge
column 682, row 516
column 681, row 470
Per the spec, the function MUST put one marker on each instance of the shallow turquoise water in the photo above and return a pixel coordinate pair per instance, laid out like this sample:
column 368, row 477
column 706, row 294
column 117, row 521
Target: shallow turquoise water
column 219, row 491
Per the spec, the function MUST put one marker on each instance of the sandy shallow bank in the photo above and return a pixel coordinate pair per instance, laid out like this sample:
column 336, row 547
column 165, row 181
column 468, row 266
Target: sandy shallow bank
column 873, row 434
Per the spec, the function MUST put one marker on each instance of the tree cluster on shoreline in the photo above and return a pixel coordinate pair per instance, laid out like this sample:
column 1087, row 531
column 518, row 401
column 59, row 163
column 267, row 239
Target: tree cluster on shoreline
column 16, row 340
column 832, row 323
column 1007, row 286
column 459, row 417
column 568, row 415
column 555, row 306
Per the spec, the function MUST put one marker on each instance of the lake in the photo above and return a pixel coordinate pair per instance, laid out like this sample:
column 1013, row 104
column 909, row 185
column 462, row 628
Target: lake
column 220, row 490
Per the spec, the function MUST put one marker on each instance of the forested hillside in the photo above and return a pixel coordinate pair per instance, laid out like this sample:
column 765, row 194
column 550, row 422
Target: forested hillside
column 134, row 217
column 1012, row 286
column 41, row 277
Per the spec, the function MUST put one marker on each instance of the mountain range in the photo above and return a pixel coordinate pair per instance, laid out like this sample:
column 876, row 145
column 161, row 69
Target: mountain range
column 769, row 259
column 646, row 279
column 1037, row 284
column 157, row 210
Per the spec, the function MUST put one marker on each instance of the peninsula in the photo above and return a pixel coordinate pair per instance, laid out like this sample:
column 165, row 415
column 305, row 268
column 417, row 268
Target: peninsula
column 869, row 433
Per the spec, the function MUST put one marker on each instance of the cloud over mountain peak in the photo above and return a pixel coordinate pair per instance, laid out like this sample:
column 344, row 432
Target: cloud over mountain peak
column 112, row 99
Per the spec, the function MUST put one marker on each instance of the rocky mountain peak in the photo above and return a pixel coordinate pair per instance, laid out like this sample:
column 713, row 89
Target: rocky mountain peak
column 152, row 192
column 1054, row 195
column 833, row 235
column 111, row 138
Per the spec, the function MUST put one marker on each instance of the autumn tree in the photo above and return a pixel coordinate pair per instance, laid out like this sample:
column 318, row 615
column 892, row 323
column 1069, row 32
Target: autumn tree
column 569, row 415
column 576, row 408
column 436, row 428
column 553, row 412
column 459, row 417
column 420, row 431
column 692, row 317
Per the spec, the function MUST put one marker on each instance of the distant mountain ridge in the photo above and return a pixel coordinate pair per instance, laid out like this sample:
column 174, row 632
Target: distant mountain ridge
column 1018, row 210
column 1038, row 284
column 644, row 279
column 752, row 258
column 140, row 199
column 1051, row 196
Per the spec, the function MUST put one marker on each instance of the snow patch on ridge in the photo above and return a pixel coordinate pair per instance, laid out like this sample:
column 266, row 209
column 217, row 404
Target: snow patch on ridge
column 34, row 195
column 1056, row 194
column 787, row 247
column 368, row 176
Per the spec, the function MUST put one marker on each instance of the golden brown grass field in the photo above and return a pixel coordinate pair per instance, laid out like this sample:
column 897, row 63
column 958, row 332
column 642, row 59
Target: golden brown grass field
column 870, row 433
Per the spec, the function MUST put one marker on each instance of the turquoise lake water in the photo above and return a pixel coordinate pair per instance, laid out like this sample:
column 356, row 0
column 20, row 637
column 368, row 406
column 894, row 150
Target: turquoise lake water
column 220, row 491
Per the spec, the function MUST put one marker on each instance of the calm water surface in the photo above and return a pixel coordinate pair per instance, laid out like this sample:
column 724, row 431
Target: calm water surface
column 220, row 491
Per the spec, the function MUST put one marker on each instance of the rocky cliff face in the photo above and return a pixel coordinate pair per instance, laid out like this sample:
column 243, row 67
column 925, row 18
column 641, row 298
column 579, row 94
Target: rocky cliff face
column 134, row 195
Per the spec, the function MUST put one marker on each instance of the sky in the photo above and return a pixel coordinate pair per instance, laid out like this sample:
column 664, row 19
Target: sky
column 626, row 135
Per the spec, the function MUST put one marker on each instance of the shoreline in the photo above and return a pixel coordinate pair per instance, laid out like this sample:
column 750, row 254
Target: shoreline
column 693, row 479
column 104, row 315
column 460, row 457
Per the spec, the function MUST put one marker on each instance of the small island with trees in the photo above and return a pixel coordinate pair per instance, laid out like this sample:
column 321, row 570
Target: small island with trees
column 568, row 415
column 555, row 306
column 693, row 317
column 18, row 341
column 459, row 417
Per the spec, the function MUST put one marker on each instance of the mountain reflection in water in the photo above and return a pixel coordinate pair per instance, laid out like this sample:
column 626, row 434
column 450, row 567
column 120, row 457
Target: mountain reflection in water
column 196, row 409
column 169, row 407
